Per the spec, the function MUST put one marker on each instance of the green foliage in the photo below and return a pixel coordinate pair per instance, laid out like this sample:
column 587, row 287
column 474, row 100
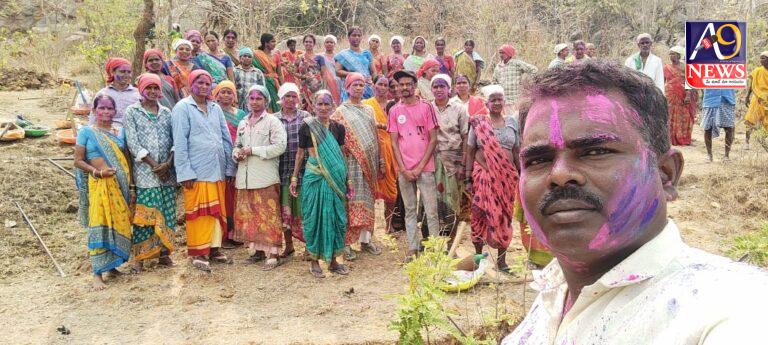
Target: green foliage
column 110, row 24
column 422, row 308
column 754, row 245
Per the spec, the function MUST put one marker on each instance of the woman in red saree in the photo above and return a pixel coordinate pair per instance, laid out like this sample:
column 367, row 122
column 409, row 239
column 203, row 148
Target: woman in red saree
column 681, row 102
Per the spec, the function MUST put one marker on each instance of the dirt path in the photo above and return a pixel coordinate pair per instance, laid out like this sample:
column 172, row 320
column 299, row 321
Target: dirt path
column 239, row 304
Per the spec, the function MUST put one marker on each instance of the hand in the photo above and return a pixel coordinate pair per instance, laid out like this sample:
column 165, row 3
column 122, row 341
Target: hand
column 188, row 184
column 109, row 172
column 416, row 173
column 410, row 176
column 292, row 188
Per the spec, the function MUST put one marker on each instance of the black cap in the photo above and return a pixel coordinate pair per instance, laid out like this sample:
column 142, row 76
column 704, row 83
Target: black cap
column 404, row 73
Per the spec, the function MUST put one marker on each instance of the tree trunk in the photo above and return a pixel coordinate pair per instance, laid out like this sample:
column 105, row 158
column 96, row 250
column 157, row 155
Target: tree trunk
column 141, row 35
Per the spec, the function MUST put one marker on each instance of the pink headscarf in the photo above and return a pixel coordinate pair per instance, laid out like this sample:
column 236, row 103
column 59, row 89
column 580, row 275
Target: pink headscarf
column 192, row 33
column 428, row 63
column 112, row 64
column 149, row 52
column 352, row 77
column 198, row 73
column 509, row 50
column 147, row 79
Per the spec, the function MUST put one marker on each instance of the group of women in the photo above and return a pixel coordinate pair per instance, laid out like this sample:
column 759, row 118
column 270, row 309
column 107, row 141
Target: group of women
column 313, row 176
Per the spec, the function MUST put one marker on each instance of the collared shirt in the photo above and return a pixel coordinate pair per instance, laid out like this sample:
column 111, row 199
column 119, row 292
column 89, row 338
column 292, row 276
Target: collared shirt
column 714, row 98
column 265, row 135
column 453, row 126
column 203, row 147
column 664, row 293
column 123, row 98
column 244, row 80
column 509, row 75
column 149, row 135
column 556, row 62
column 288, row 159
column 653, row 68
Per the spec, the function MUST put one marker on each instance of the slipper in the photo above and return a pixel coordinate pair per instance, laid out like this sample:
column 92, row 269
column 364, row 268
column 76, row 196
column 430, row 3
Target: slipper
column 166, row 261
column 339, row 269
column 201, row 265
column 221, row 259
column 259, row 256
column 349, row 254
column 272, row 263
column 317, row 274
column 505, row 270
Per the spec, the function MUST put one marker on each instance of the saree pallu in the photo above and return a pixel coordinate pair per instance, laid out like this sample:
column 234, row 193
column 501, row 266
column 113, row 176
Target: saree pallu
column 362, row 165
column 315, row 78
column 233, row 119
column 180, row 75
column 330, row 66
column 271, row 77
column 537, row 252
column 323, row 193
column 356, row 62
column 290, row 209
column 394, row 64
column 387, row 183
column 757, row 115
column 170, row 93
column 465, row 65
column 212, row 64
column 681, row 115
column 104, row 209
column 413, row 62
column 494, row 190
column 153, row 222
column 450, row 190
column 257, row 218
column 205, row 212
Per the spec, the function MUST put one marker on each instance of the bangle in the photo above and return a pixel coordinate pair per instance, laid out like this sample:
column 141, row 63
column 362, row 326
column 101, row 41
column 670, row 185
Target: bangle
column 294, row 179
column 93, row 172
column 100, row 173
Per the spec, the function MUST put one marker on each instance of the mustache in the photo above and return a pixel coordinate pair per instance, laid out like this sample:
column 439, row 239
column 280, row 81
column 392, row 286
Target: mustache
column 570, row 192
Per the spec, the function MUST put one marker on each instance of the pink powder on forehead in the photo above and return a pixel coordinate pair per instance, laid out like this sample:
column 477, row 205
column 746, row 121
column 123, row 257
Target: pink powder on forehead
column 555, row 132
column 599, row 109
column 103, row 101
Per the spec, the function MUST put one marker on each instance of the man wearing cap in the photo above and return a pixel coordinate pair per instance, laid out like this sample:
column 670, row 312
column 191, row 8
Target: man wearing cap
column 292, row 117
column 561, row 52
column 644, row 61
column 509, row 72
column 413, row 127
column 453, row 121
column 203, row 150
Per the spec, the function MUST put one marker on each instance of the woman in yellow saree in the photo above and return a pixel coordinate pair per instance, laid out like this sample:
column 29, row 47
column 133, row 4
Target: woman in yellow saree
column 103, row 181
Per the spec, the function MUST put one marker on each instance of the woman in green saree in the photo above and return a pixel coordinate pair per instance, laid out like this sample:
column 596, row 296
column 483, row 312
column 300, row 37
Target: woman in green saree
column 323, row 190
column 270, row 66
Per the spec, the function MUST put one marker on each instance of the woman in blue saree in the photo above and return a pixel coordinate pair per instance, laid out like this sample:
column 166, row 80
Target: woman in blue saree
column 355, row 59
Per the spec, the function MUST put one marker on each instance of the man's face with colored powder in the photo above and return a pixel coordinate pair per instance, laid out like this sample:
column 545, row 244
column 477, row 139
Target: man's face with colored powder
column 591, row 186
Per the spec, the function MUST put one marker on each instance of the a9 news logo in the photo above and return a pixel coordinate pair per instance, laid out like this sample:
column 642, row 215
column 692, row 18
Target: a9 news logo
column 716, row 54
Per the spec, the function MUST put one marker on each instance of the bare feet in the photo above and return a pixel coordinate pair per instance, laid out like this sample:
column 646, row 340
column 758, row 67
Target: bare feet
column 165, row 260
column 98, row 282
column 289, row 250
column 137, row 267
column 115, row 273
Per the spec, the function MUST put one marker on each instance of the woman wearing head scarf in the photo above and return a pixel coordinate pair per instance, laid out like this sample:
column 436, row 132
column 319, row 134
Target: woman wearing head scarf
column 246, row 75
column 153, row 63
column 323, row 187
column 270, row 66
column 291, row 117
column 493, row 142
column 118, row 87
column 428, row 69
column 379, row 61
column 681, row 102
column 355, row 59
column 103, row 180
column 314, row 74
column 225, row 95
column 150, row 142
column 363, row 164
column 475, row 105
column 260, row 141
column 418, row 55
column 215, row 60
column 397, row 58
column 196, row 39
column 202, row 157
column 387, row 180
column 180, row 66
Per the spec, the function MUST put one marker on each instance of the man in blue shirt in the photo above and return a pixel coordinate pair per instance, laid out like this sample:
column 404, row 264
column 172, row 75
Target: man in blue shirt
column 203, row 160
column 718, row 109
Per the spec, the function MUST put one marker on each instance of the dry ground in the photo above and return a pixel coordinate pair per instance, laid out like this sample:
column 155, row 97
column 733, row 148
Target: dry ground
column 239, row 304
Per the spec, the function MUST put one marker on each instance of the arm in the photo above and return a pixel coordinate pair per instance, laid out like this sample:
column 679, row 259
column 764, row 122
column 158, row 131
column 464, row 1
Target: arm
column 340, row 70
column 295, row 174
column 528, row 68
column 181, row 129
column 384, row 67
column 230, row 73
column 749, row 90
column 278, row 139
column 230, row 168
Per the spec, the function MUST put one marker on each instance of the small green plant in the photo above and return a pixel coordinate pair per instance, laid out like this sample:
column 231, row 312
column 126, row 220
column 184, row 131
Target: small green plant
column 753, row 245
column 422, row 308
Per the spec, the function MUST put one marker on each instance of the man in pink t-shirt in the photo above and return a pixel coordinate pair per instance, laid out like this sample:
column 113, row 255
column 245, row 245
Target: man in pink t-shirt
column 413, row 128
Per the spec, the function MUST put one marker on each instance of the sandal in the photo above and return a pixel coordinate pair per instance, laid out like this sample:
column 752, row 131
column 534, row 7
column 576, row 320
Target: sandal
column 339, row 269
column 288, row 253
column 201, row 265
column 505, row 269
column 317, row 274
column 221, row 259
column 259, row 256
column 272, row 263
column 371, row 248
column 165, row 261
column 349, row 254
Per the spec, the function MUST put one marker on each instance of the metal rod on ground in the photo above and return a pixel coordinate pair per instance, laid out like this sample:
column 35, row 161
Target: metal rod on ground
column 61, row 167
column 58, row 158
column 39, row 239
